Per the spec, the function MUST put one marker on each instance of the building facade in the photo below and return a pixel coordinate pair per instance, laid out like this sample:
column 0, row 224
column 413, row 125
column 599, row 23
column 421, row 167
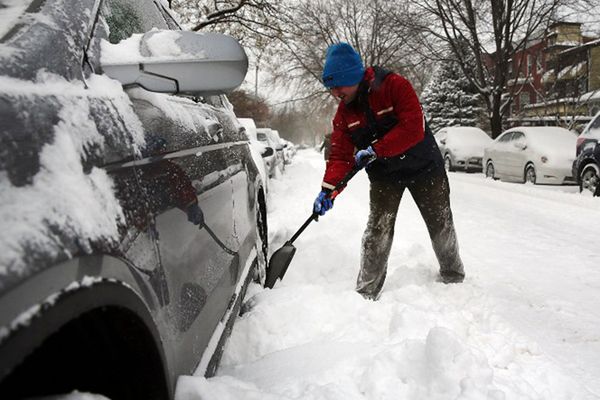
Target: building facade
column 555, row 80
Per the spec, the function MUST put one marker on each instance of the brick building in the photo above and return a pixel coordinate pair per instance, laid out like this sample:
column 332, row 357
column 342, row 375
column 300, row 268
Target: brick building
column 555, row 80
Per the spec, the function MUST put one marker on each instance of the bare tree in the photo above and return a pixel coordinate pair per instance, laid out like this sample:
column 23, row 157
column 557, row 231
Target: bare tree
column 494, row 31
column 310, row 26
column 249, row 15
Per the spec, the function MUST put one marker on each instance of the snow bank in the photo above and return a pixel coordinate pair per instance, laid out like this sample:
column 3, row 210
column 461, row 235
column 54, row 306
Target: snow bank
column 313, row 337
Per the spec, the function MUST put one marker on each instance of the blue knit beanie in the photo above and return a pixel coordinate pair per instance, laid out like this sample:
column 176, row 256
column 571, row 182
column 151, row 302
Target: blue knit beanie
column 343, row 66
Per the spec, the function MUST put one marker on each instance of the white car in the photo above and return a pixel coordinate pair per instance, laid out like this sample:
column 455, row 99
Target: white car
column 289, row 150
column 268, row 137
column 462, row 147
column 532, row 154
column 264, row 156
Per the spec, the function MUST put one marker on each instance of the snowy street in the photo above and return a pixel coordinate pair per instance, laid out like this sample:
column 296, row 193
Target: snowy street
column 523, row 325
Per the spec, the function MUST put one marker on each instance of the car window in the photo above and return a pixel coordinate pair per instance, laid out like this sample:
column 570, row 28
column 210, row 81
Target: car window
column 506, row 137
column 171, row 22
column 517, row 137
column 126, row 17
column 593, row 129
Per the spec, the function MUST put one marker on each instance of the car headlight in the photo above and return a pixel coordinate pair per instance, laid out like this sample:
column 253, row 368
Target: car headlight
column 544, row 159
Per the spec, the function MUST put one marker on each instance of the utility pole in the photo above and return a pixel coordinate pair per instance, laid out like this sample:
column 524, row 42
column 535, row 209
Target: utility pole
column 256, row 67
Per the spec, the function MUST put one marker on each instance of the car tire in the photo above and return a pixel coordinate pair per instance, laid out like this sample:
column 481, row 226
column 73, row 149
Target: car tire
column 111, row 342
column 448, row 164
column 530, row 174
column 589, row 178
column 490, row 171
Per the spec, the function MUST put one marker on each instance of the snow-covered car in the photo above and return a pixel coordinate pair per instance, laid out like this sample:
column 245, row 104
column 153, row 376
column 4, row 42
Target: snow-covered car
column 267, row 136
column 284, row 144
column 132, row 219
column 586, row 168
column 280, row 144
column 462, row 147
column 263, row 155
column 289, row 150
column 532, row 154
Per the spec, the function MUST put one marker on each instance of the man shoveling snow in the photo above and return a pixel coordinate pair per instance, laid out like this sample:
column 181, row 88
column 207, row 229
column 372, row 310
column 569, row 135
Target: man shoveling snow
column 380, row 115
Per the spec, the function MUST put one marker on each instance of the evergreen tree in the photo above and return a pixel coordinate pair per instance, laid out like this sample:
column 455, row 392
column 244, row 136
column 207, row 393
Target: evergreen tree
column 449, row 99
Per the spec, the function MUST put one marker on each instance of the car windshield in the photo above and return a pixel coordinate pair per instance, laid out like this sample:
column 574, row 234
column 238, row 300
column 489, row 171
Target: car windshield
column 593, row 129
column 262, row 137
column 10, row 13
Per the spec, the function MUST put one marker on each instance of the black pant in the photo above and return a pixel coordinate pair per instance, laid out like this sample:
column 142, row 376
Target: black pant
column 431, row 193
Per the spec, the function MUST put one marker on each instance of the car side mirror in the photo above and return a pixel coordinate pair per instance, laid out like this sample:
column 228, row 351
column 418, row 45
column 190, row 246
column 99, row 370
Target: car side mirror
column 169, row 61
column 268, row 152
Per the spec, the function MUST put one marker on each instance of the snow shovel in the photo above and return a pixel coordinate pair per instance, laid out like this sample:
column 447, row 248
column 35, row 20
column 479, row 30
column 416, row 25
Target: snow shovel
column 280, row 260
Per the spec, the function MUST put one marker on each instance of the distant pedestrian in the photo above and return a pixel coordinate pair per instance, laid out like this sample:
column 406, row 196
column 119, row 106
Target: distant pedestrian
column 379, row 125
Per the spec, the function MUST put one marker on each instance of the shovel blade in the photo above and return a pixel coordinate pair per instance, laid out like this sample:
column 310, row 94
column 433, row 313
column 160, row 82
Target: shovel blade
column 278, row 265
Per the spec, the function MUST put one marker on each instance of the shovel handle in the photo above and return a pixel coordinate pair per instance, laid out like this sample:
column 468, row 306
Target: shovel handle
column 332, row 195
column 310, row 219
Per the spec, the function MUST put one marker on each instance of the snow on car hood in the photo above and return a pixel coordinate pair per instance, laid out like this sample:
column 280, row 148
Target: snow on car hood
column 555, row 143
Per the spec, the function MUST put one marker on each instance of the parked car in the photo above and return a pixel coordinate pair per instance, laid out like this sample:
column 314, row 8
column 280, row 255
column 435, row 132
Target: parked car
column 132, row 219
column 267, row 136
column 586, row 167
column 531, row 154
column 462, row 147
column 264, row 156
column 289, row 150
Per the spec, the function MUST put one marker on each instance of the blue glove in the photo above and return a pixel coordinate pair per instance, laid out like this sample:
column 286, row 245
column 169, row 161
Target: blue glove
column 362, row 158
column 195, row 215
column 323, row 203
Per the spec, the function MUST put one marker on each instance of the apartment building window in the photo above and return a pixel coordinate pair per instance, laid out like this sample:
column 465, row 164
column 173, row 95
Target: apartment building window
column 523, row 100
column 530, row 61
column 582, row 85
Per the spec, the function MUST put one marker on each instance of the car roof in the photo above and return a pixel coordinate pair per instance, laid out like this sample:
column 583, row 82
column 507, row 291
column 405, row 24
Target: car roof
column 464, row 129
column 540, row 130
column 547, row 136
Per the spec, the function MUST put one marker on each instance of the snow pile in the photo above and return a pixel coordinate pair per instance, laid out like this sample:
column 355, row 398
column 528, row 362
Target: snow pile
column 164, row 44
column 156, row 45
column 313, row 337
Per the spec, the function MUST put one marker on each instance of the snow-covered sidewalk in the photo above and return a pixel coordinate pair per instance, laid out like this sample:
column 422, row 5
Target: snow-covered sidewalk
column 524, row 324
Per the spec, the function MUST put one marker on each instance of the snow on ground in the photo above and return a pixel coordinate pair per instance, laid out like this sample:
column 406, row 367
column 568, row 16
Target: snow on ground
column 524, row 324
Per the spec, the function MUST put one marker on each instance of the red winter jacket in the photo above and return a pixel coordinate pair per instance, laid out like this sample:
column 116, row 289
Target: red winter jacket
column 393, row 96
